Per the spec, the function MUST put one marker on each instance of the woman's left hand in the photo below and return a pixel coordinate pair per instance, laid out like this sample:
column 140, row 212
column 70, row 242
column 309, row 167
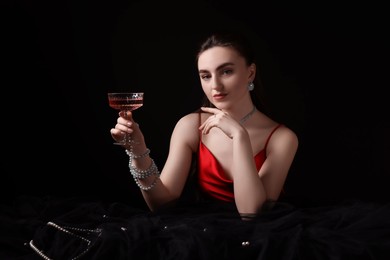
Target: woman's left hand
column 221, row 120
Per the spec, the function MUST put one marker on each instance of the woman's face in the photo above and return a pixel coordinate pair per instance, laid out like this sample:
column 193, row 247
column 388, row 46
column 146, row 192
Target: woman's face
column 224, row 76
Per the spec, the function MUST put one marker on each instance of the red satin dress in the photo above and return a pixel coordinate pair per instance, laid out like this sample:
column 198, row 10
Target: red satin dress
column 212, row 178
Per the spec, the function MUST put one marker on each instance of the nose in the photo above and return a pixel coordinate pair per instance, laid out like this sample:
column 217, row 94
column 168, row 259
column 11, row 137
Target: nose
column 216, row 84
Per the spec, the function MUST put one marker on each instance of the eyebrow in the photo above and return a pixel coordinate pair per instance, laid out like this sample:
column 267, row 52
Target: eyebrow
column 219, row 67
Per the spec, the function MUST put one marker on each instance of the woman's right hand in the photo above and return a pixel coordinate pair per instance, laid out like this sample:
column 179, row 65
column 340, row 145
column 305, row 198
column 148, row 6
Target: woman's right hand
column 126, row 124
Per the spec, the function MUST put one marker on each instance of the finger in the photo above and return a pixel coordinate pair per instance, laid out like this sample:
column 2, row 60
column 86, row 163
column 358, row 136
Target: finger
column 117, row 135
column 211, row 117
column 207, row 125
column 210, row 110
column 123, row 128
column 206, row 128
column 125, row 114
column 124, row 121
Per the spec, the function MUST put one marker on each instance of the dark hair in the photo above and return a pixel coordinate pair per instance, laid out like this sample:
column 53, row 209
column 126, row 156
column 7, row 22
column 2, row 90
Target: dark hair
column 241, row 43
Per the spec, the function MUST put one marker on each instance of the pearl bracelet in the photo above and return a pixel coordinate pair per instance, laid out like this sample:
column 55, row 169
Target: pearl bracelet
column 133, row 156
column 146, row 188
column 143, row 174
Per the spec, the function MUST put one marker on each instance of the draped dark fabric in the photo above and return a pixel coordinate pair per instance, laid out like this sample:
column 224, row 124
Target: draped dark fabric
column 84, row 229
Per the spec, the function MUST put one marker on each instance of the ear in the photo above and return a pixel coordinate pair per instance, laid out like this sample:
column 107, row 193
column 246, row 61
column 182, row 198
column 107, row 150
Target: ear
column 252, row 72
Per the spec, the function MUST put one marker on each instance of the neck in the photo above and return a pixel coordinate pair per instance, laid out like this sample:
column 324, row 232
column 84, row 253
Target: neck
column 247, row 116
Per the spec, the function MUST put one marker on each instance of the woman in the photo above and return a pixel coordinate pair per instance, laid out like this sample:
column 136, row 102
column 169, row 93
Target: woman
column 241, row 158
column 243, row 155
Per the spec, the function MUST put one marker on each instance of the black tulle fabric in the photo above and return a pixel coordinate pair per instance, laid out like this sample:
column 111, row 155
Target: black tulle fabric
column 206, row 230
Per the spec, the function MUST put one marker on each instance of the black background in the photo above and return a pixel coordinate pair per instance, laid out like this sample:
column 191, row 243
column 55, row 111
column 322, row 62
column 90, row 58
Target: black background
column 324, row 68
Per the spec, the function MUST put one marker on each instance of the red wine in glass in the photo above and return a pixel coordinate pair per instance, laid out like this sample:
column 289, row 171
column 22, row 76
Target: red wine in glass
column 126, row 101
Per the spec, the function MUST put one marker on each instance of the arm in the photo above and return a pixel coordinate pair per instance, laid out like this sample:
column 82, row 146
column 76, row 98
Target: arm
column 249, row 192
column 183, row 141
column 251, row 187
column 281, row 151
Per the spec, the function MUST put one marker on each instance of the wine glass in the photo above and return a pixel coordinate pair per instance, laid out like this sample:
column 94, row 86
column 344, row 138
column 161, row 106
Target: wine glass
column 125, row 101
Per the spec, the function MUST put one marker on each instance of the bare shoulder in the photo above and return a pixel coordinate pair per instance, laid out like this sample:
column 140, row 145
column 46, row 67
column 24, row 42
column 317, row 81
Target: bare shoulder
column 283, row 138
column 187, row 130
column 190, row 121
column 285, row 131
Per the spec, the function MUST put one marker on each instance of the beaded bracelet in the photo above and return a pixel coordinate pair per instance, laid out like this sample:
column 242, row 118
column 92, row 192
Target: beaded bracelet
column 133, row 156
column 142, row 174
column 146, row 188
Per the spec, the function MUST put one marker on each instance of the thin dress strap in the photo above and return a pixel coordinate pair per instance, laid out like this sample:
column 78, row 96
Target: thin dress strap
column 269, row 137
column 200, row 122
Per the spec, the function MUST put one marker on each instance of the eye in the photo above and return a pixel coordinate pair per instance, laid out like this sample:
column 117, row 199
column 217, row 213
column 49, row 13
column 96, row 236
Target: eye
column 205, row 76
column 227, row 71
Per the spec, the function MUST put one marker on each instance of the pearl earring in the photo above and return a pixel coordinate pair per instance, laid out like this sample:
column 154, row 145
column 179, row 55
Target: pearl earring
column 251, row 86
